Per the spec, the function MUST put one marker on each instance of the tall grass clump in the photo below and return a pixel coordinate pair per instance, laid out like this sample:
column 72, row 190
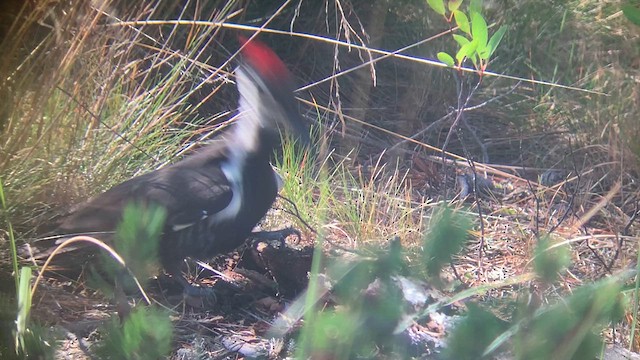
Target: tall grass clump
column 360, row 205
column 302, row 185
column 92, row 102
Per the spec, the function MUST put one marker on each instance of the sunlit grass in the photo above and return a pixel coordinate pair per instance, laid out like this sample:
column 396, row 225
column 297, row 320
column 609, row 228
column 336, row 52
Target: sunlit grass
column 360, row 208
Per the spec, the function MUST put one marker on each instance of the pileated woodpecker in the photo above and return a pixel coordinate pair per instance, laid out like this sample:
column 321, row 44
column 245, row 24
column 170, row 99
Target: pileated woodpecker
column 215, row 197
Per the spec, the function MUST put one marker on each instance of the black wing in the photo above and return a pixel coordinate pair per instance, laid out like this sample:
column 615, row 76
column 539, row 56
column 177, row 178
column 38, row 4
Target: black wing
column 189, row 190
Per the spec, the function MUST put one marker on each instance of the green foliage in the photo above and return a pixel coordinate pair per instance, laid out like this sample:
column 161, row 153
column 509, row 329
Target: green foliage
column 332, row 333
column 479, row 31
column 437, row 6
column 137, row 241
column 145, row 335
column 467, row 50
column 473, row 334
column 371, row 308
column 446, row 58
column 447, row 236
column 24, row 307
column 478, row 47
column 463, row 22
column 493, row 43
column 28, row 339
column 632, row 13
column 550, row 259
column 12, row 240
column 382, row 264
column 36, row 343
column 570, row 328
column 454, row 5
column 138, row 237
column 461, row 40
column 301, row 179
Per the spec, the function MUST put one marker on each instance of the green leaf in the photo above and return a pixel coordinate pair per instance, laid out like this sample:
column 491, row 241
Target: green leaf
column 475, row 6
column 461, row 40
column 468, row 50
column 437, row 6
column 460, row 55
column 454, row 5
column 493, row 43
column 446, row 58
column 462, row 21
column 479, row 30
column 24, row 306
column 474, row 59
column 632, row 13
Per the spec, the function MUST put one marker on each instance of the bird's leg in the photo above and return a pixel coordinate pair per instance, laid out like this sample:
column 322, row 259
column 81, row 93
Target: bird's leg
column 280, row 235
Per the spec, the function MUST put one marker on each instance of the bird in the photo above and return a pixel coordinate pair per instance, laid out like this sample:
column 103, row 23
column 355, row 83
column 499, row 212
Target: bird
column 215, row 197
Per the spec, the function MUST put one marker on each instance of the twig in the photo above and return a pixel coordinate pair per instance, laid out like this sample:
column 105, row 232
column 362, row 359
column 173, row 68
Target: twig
column 573, row 195
column 476, row 191
column 296, row 213
column 82, row 238
column 625, row 232
column 535, row 197
column 448, row 115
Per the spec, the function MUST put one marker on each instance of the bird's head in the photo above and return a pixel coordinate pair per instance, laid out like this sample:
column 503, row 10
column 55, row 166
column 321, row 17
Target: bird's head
column 267, row 91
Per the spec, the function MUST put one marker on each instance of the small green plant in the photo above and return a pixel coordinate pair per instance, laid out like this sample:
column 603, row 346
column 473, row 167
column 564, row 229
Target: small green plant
column 28, row 338
column 372, row 303
column 446, row 237
column 550, row 259
column 145, row 335
column 24, row 307
column 301, row 185
column 475, row 333
column 137, row 242
column 568, row 328
column 371, row 308
column 475, row 44
column 138, row 237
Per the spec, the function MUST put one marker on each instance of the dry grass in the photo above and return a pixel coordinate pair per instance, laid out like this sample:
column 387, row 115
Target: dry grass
column 92, row 105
